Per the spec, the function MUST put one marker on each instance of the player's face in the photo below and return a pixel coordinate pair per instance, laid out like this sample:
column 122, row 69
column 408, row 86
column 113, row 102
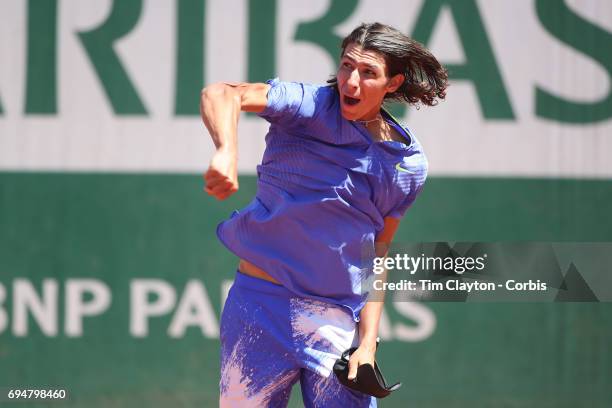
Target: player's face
column 363, row 83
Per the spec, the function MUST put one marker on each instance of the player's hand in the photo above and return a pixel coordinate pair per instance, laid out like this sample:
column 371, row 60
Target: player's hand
column 221, row 178
column 363, row 355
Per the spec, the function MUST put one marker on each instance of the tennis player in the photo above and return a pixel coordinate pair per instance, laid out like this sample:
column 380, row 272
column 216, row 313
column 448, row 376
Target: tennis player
column 337, row 175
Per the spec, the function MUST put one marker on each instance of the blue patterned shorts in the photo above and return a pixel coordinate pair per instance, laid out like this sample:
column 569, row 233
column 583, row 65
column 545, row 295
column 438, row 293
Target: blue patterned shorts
column 270, row 339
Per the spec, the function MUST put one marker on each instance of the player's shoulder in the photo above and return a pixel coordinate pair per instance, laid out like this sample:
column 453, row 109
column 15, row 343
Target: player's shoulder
column 307, row 89
column 300, row 86
column 322, row 97
column 416, row 154
column 413, row 154
column 295, row 104
column 412, row 146
column 317, row 100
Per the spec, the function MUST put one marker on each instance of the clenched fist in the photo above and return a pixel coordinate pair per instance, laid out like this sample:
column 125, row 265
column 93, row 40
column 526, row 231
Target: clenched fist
column 221, row 178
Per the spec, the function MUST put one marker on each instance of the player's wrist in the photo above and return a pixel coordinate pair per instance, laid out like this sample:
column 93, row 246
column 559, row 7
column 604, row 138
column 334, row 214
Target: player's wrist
column 368, row 342
column 227, row 149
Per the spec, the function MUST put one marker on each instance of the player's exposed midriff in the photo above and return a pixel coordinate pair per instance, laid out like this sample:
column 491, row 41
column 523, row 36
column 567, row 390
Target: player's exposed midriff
column 248, row 268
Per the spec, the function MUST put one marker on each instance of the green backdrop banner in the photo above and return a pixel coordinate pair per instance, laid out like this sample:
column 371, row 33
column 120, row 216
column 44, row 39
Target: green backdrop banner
column 111, row 288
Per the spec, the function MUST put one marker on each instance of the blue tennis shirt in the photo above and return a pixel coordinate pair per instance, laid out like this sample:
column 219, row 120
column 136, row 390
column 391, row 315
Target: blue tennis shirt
column 324, row 188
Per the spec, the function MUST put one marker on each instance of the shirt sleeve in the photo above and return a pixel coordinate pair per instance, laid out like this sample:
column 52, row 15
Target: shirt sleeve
column 414, row 186
column 289, row 103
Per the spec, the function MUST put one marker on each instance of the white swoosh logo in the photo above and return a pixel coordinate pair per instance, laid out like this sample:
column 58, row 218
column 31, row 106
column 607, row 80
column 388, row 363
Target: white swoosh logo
column 399, row 167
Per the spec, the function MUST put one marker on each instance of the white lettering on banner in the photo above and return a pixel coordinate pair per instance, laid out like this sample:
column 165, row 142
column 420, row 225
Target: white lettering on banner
column 226, row 285
column 43, row 308
column 141, row 309
column 194, row 309
column 3, row 316
column 532, row 64
column 77, row 308
column 424, row 318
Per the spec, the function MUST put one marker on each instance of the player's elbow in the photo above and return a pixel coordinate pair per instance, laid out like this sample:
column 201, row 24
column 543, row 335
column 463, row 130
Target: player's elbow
column 212, row 91
column 217, row 91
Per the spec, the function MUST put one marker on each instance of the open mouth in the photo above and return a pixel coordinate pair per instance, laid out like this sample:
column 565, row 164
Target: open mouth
column 350, row 101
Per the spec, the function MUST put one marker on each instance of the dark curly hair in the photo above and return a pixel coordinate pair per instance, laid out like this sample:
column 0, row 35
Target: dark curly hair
column 425, row 79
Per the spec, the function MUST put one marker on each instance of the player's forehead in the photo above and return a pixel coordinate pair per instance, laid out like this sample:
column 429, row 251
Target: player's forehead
column 356, row 54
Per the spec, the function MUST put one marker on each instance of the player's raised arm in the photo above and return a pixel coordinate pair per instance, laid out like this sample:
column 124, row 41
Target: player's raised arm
column 220, row 106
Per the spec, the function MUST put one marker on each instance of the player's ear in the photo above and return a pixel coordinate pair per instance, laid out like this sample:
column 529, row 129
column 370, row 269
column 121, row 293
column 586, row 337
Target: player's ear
column 395, row 82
